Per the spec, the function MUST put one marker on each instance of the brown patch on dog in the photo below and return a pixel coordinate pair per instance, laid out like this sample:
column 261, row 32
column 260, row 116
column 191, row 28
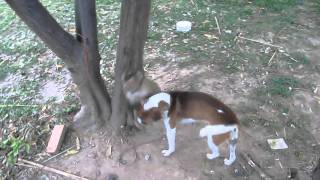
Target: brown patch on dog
column 218, row 139
column 200, row 106
column 153, row 114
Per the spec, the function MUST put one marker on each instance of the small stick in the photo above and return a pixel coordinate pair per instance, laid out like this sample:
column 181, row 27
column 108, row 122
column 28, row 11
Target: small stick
column 293, row 59
column 17, row 105
column 24, row 165
column 192, row 2
column 269, row 63
column 57, row 154
column 215, row 18
column 2, row 63
column 253, row 40
column 30, row 163
column 256, row 167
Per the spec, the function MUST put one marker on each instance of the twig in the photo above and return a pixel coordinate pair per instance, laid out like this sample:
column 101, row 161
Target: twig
column 293, row 59
column 192, row 2
column 2, row 63
column 272, row 58
column 57, row 154
column 255, row 166
column 25, row 165
column 215, row 18
column 253, row 40
column 17, row 105
column 46, row 168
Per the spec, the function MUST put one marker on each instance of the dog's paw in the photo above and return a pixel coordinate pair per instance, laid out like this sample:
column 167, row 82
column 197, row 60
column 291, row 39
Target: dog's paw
column 228, row 162
column 167, row 152
column 212, row 156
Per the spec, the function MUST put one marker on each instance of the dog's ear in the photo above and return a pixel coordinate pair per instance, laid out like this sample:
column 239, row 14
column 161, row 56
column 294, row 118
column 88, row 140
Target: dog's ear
column 163, row 106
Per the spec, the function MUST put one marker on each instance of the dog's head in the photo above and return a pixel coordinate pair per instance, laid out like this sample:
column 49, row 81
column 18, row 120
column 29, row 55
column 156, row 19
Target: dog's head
column 152, row 114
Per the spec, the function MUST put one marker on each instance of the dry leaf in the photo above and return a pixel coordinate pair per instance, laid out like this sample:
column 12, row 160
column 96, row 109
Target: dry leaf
column 109, row 151
column 78, row 143
column 72, row 30
column 210, row 37
column 44, row 108
column 59, row 67
column 71, row 152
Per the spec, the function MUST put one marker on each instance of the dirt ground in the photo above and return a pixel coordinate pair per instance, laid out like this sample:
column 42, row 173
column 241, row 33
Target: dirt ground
column 261, row 118
column 189, row 161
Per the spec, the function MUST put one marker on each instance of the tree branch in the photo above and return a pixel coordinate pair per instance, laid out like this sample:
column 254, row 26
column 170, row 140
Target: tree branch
column 88, row 21
column 46, row 27
column 133, row 32
column 78, row 21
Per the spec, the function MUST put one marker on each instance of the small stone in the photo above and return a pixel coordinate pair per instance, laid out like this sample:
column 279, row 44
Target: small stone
column 147, row 157
column 112, row 177
column 43, row 177
column 228, row 31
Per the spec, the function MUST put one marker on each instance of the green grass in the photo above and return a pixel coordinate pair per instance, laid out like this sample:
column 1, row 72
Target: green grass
column 277, row 5
column 281, row 86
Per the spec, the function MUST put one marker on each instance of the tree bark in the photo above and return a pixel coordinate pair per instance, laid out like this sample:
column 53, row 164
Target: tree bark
column 133, row 32
column 95, row 100
column 81, row 56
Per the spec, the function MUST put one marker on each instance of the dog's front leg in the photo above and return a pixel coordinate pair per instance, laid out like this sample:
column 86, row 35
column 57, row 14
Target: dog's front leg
column 171, row 137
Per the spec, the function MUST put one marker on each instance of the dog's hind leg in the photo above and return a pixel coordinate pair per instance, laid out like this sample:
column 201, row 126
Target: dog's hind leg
column 171, row 137
column 232, row 147
column 214, row 149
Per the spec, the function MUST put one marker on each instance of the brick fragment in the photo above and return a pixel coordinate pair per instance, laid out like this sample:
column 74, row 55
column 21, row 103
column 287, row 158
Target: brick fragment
column 56, row 139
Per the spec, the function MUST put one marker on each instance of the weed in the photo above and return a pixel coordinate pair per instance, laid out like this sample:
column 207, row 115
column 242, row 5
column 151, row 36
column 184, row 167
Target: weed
column 277, row 5
column 281, row 86
column 299, row 58
column 13, row 147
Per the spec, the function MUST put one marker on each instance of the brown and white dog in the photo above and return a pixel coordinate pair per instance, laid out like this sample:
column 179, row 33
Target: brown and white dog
column 189, row 107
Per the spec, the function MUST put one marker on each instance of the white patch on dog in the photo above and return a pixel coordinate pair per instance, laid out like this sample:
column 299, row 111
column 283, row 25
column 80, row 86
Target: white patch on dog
column 211, row 130
column 214, row 149
column 171, row 137
column 220, row 111
column 232, row 155
column 139, row 120
column 187, row 121
column 154, row 100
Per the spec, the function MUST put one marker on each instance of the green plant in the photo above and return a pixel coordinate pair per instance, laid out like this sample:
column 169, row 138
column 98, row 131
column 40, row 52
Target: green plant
column 14, row 146
column 281, row 85
column 277, row 5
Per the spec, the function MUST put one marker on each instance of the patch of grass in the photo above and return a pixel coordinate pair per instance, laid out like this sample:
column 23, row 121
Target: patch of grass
column 277, row 5
column 19, row 102
column 299, row 58
column 7, row 17
column 281, row 86
column 14, row 146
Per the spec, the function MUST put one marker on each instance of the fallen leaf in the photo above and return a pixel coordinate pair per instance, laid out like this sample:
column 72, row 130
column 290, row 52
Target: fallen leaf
column 59, row 67
column 109, row 151
column 71, row 152
column 78, row 143
column 210, row 36
column 72, row 30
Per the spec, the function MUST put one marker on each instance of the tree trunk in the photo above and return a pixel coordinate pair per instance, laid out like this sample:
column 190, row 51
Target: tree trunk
column 95, row 100
column 81, row 55
column 133, row 32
